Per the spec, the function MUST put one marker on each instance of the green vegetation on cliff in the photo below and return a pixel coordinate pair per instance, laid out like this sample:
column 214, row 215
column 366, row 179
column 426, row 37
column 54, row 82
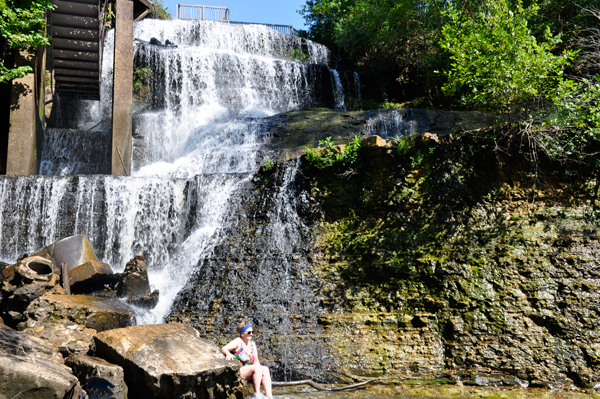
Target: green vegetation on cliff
column 442, row 256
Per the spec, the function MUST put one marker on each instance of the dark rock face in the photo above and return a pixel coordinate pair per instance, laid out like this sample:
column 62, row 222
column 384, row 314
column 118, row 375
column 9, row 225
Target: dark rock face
column 98, row 378
column 261, row 271
column 442, row 258
column 32, row 367
column 134, row 279
column 170, row 360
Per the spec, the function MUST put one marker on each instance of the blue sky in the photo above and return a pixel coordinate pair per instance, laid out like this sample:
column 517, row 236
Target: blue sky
column 281, row 12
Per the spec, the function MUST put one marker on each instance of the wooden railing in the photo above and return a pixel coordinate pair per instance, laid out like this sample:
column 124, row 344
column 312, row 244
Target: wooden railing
column 210, row 13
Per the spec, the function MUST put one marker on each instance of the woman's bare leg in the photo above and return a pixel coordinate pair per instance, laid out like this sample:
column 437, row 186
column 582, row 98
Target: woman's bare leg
column 266, row 381
column 254, row 373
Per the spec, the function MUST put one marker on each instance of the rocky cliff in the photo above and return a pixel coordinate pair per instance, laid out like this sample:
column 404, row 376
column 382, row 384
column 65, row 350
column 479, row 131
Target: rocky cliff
column 438, row 256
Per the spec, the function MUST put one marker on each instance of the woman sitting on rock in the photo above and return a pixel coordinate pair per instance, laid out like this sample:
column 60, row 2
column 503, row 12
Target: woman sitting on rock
column 244, row 350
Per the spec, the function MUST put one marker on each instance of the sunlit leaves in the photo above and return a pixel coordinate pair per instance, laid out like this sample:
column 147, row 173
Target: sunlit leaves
column 497, row 63
column 21, row 26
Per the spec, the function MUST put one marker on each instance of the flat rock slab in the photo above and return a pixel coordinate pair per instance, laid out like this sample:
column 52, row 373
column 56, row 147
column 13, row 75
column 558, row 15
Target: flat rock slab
column 32, row 368
column 100, row 314
column 170, row 361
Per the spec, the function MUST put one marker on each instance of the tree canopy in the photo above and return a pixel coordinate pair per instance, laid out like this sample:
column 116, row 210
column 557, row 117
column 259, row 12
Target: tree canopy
column 21, row 28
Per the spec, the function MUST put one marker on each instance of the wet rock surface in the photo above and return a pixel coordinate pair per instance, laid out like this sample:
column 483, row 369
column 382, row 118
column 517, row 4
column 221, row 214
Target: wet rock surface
column 134, row 284
column 32, row 367
column 292, row 132
column 261, row 271
column 170, row 360
column 438, row 259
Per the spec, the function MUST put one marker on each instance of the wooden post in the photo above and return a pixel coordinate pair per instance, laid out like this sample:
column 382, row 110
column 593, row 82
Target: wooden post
column 122, row 89
column 65, row 278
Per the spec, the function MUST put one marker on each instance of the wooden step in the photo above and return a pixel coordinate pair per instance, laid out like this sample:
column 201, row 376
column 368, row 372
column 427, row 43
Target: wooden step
column 78, row 9
column 75, row 79
column 75, row 45
column 80, row 65
column 75, row 21
column 76, row 55
column 94, row 2
column 75, row 33
column 77, row 72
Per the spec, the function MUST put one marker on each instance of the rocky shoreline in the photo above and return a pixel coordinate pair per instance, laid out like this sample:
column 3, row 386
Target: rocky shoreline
column 84, row 345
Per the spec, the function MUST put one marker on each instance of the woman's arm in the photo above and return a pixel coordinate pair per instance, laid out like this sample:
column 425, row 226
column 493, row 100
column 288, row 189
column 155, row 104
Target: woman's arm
column 256, row 361
column 233, row 346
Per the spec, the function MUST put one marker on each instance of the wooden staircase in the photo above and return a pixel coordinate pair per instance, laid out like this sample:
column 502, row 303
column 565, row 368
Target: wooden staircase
column 77, row 48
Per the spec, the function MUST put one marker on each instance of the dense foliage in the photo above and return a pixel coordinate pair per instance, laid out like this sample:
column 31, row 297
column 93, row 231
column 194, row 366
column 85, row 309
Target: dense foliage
column 21, row 24
column 497, row 63
column 159, row 11
column 396, row 45
column 538, row 60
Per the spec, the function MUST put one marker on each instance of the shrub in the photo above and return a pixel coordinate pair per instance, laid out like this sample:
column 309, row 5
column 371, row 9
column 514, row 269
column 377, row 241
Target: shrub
column 497, row 64
column 327, row 155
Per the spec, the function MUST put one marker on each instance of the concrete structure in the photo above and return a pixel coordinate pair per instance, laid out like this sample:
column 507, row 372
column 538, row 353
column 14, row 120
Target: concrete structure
column 122, row 90
column 26, row 115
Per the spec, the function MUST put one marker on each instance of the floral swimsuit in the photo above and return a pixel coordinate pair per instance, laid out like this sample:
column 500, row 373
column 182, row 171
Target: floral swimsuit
column 243, row 356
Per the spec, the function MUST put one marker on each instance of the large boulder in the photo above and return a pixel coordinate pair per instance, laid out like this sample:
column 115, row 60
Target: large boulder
column 24, row 282
column 134, row 284
column 68, row 337
column 32, row 368
column 73, row 251
column 98, row 378
column 90, row 276
column 95, row 313
column 170, row 361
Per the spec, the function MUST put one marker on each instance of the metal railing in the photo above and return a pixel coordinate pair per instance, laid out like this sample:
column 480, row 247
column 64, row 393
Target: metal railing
column 287, row 29
column 215, row 13
column 210, row 13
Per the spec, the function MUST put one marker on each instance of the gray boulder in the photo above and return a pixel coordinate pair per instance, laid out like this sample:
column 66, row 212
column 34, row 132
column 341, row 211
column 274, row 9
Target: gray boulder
column 94, row 313
column 98, row 378
column 90, row 276
column 134, row 284
column 170, row 361
column 32, row 368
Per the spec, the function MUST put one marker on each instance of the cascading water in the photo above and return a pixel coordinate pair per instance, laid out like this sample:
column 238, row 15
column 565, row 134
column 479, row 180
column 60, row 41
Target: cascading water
column 338, row 90
column 196, row 144
column 391, row 124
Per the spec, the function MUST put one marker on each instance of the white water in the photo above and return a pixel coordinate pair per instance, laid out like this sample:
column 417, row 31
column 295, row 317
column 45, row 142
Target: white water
column 338, row 90
column 390, row 124
column 193, row 150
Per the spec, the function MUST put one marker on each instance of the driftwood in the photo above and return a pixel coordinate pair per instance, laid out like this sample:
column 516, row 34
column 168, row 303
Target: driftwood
column 319, row 387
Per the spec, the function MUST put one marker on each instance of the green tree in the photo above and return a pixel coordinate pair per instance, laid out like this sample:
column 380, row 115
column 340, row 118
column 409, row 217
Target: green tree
column 159, row 11
column 21, row 28
column 393, row 43
column 496, row 62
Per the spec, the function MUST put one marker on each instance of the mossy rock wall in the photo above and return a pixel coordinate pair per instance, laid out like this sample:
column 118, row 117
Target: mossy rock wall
column 452, row 259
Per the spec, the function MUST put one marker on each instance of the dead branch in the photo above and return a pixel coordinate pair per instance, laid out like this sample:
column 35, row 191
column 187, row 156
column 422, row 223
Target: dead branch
column 319, row 387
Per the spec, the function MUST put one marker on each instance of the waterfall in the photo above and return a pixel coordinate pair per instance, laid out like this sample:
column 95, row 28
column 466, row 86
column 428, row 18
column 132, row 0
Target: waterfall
column 338, row 90
column 391, row 124
column 197, row 140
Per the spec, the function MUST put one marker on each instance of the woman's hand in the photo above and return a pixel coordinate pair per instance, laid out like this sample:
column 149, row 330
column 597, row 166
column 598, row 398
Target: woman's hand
column 229, row 357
